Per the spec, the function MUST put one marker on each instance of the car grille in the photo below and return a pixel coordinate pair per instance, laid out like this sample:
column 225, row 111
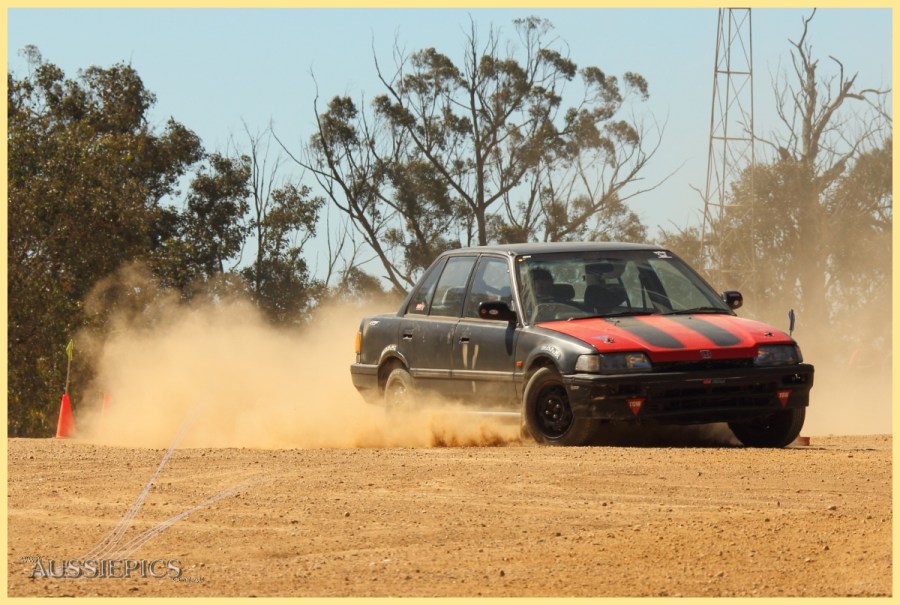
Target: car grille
column 703, row 365
column 690, row 398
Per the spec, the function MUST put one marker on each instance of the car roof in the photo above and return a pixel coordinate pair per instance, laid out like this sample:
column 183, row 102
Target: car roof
column 546, row 247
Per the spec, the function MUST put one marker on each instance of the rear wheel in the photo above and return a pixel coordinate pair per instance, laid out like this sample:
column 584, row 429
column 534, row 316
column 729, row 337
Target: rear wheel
column 547, row 415
column 399, row 390
column 774, row 430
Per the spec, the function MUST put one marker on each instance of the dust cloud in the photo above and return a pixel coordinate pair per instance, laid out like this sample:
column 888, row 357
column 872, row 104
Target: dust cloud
column 852, row 389
column 852, row 392
column 216, row 374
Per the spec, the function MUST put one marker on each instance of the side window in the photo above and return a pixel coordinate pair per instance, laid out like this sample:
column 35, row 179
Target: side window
column 491, row 282
column 451, row 287
column 420, row 303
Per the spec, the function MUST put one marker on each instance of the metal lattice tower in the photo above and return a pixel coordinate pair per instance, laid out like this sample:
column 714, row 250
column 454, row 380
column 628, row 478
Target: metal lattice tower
column 731, row 144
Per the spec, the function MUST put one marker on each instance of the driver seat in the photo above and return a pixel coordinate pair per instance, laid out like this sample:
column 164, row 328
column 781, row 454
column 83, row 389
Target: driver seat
column 604, row 297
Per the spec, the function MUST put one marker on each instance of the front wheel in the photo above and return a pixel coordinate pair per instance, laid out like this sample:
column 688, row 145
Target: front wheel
column 547, row 415
column 774, row 430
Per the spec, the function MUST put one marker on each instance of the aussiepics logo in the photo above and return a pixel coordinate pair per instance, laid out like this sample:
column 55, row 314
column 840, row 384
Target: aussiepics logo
column 106, row 568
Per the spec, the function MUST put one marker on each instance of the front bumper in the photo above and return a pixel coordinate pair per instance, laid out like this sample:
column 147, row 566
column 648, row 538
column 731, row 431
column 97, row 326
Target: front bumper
column 694, row 397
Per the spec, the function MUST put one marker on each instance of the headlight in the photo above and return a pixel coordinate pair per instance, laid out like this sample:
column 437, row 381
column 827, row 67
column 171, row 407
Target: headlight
column 613, row 363
column 778, row 355
column 588, row 363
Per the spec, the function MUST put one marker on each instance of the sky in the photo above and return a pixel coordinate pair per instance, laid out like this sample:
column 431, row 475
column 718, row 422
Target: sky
column 214, row 70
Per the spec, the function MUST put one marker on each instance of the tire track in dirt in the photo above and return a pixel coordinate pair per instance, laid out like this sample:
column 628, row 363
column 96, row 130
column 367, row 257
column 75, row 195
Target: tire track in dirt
column 506, row 521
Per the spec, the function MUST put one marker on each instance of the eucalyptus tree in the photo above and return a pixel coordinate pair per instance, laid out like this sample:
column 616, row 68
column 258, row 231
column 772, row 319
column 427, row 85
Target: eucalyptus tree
column 283, row 216
column 819, row 235
column 511, row 142
column 87, row 175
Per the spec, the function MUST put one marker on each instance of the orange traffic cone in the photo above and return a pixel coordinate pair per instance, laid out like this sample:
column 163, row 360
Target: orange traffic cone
column 66, row 423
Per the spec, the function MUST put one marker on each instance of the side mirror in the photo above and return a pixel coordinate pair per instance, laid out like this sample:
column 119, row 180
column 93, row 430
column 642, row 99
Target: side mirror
column 733, row 299
column 497, row 310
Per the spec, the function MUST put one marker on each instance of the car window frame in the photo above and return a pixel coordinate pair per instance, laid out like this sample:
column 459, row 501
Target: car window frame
column 469, row 290
column 436, row 269
column 465, row 286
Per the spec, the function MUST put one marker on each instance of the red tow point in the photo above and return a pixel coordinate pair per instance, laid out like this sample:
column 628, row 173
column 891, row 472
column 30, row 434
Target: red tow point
column 783, row 397
column 635, row 405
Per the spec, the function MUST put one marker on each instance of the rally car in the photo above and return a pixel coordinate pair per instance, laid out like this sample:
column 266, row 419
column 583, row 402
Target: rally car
column 577, row 337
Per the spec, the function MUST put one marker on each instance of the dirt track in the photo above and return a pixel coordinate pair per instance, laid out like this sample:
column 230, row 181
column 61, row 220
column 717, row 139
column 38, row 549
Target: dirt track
column 520, row 520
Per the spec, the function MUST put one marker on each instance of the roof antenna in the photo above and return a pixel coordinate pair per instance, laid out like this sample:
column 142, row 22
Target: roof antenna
column 791, row 318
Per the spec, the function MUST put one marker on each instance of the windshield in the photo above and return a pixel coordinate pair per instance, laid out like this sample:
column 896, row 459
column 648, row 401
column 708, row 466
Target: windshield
column 607, row 284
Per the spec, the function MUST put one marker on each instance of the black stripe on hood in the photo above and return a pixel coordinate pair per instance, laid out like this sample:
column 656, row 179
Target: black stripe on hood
column 720, row 336
column 649, row 334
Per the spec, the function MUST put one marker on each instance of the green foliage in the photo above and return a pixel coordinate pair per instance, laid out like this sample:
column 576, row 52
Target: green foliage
column 86, row 177
column 350, row 160
column 483, row 149
column 810, row 229
column 429, row 213
column 356, row 287
column 96, row 227
column 216, row 203
column 849, row 252
column 279, row 279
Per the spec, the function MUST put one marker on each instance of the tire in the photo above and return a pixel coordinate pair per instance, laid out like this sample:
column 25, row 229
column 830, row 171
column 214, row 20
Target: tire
column 775, row 430
column 399, row 390
column 547, row 415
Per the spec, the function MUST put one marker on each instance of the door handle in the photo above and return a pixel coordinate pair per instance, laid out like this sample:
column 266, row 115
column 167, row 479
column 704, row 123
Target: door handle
column 407, row 336
column 464, row 339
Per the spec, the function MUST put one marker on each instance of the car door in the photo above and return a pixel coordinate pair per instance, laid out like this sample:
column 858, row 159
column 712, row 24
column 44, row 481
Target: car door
column 483, row 359
column 426, row 340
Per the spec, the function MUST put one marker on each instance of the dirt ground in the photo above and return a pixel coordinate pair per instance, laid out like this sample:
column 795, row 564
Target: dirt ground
column 516, row 520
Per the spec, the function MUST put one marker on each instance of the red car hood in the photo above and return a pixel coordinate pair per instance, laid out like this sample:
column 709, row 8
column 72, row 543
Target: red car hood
column 674, row 337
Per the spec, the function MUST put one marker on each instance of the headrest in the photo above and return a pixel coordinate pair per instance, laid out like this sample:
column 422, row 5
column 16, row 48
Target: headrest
column 563, row 291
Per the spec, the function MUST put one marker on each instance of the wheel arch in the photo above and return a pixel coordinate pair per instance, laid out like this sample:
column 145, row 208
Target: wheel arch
column 388, row 364
column 535, row 364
